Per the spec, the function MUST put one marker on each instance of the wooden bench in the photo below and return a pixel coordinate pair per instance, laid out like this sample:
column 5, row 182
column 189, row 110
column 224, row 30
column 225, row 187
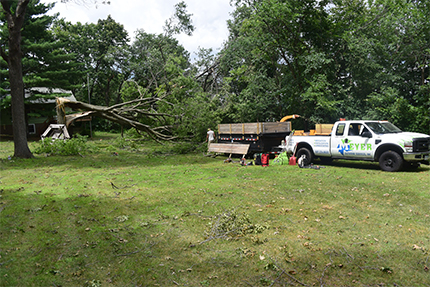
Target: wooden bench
column 229, row 148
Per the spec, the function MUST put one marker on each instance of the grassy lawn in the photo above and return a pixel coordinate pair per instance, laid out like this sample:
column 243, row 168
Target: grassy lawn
column 150, row 217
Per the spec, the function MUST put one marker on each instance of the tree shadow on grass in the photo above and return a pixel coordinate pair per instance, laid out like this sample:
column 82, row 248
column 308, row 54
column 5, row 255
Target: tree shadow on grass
column 352, row 164
column 366, row 165
column 103, row 159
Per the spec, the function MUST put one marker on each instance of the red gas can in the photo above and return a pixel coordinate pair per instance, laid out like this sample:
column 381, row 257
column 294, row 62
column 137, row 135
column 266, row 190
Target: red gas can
column 292, row 160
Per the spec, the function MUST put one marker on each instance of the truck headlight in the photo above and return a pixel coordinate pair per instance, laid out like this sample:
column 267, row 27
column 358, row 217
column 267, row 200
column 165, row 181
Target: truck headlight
column 408, row 146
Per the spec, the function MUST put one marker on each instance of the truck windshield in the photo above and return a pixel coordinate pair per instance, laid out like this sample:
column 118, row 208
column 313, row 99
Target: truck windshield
column 383, row 127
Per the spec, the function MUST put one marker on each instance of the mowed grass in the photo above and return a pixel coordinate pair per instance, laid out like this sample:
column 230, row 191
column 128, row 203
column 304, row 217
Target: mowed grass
column 149, row 217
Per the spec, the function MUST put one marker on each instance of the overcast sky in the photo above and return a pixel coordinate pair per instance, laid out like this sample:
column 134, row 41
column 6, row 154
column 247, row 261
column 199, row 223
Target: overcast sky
column 209, row 18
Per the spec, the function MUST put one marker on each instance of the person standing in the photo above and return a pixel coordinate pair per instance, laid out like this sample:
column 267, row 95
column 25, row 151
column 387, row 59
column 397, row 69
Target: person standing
column 210, row 137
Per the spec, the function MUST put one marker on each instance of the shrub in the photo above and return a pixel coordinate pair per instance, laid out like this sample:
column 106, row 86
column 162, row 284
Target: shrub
column 183, row 148
column 72, row 146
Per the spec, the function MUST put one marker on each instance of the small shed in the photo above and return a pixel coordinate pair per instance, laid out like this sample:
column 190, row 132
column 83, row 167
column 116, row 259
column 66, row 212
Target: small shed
column 39, row 110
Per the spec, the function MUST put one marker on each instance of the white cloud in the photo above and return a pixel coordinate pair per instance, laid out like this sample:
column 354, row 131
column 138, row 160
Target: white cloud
column 209, row 18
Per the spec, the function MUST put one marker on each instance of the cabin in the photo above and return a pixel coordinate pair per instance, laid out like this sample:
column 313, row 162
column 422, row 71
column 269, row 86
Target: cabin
column 39, row 110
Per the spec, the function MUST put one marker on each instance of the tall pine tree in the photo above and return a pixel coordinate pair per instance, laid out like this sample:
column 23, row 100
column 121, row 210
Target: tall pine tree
column 31, row 57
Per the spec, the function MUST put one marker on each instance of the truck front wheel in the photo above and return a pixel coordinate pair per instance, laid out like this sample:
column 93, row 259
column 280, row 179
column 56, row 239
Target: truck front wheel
column 307, row 153
column 390, row 161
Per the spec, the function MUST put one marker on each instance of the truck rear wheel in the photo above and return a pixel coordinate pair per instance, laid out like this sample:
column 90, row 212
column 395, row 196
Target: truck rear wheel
column 390, row 161
column 307, row 153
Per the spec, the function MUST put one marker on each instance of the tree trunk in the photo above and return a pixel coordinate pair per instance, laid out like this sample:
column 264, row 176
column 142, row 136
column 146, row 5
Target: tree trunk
column 19, row 125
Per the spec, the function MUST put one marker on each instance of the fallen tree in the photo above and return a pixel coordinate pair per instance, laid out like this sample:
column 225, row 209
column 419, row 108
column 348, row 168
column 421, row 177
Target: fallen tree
column 129, row 114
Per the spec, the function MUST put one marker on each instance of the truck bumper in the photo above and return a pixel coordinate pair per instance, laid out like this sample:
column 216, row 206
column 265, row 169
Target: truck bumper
column 417, row 156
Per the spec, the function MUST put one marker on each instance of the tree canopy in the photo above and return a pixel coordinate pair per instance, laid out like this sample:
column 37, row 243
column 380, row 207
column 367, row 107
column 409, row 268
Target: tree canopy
column 331, row 59
column 323, row 60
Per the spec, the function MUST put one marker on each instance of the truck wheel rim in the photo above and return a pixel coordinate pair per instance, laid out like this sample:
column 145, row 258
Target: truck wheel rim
column 389, row 162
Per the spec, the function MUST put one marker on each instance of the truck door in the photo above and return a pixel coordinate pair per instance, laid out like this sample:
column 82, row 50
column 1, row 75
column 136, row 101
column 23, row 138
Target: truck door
column 354, row 144
column 359, row 146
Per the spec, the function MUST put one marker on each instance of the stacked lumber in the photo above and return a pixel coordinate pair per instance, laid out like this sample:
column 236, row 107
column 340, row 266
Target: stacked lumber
column 323, row 129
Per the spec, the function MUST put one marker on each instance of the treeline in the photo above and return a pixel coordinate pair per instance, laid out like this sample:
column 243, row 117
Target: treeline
column 330, row 59
column 322, row 59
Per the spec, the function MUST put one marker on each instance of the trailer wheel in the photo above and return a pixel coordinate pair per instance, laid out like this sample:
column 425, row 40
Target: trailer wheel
column 307, row 153
column 390, row 161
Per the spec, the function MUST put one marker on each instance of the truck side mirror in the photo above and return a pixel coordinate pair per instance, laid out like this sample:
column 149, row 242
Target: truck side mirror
column 366, row 134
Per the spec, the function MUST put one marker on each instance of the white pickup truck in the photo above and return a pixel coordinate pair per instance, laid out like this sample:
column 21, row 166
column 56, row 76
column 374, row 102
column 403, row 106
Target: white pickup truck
column 379, row 141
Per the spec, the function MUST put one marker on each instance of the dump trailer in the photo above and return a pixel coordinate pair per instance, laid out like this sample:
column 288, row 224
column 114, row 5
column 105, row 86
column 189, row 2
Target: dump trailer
column 260, row 137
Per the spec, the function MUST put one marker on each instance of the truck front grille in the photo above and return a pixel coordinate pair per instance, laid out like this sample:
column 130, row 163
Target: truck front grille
column 421, row 144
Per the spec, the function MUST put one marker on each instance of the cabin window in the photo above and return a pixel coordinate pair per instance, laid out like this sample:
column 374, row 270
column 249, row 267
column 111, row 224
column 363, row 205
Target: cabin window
column 32, row 129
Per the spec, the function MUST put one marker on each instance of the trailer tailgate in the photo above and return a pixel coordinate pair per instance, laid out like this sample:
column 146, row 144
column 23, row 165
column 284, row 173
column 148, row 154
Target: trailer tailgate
column 229, row 148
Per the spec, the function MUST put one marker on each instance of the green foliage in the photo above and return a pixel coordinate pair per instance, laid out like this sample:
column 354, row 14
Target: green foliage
column 132, row 133
column 328, row 59
column 280, row 54
column 321, row 59
column 74, row 146
column 123, row 143
column 120, row 142
column 131, row 90
column 105, row 125
column 281, row 159
column 93, row 283
column 231, row 224
column 157, row 59
column 183, row 148
column 180, row 22
column 102, row 50
column 45, row 63
column 198, row 114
